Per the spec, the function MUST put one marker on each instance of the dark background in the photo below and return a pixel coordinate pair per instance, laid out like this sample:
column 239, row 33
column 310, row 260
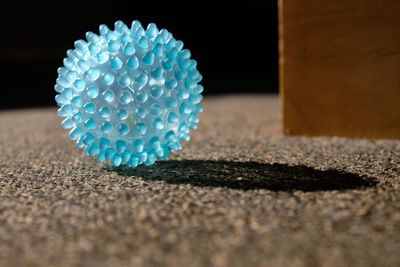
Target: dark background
column 235, row 43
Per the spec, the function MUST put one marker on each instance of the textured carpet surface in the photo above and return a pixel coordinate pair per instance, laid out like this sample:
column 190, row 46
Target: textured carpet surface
column 238, row 194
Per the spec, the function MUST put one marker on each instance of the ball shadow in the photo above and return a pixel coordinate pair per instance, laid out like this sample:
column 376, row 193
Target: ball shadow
column 247, row 175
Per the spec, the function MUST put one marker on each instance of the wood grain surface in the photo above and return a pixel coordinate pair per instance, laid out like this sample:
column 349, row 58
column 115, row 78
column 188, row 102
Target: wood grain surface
column 340, row 67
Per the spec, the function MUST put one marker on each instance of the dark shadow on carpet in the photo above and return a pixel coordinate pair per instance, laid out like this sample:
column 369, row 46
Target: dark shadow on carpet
column 247, row 175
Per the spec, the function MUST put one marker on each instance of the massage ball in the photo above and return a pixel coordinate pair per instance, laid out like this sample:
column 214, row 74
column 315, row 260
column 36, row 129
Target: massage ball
column 129, row 95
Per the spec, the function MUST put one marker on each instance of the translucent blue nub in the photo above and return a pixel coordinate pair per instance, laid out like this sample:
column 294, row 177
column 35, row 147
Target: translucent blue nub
column 129, row 95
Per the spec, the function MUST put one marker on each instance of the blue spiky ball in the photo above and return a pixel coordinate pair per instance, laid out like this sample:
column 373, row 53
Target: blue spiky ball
column 129, row 95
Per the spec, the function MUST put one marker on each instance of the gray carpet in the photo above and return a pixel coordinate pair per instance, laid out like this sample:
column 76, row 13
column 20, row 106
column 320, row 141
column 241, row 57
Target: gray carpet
column 238, row 194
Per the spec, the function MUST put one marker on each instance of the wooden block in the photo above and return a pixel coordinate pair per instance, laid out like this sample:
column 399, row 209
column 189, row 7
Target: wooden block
column 340, row 67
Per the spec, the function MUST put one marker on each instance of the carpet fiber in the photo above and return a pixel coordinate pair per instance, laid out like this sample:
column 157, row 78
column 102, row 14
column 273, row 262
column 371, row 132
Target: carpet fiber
column 238, row 194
